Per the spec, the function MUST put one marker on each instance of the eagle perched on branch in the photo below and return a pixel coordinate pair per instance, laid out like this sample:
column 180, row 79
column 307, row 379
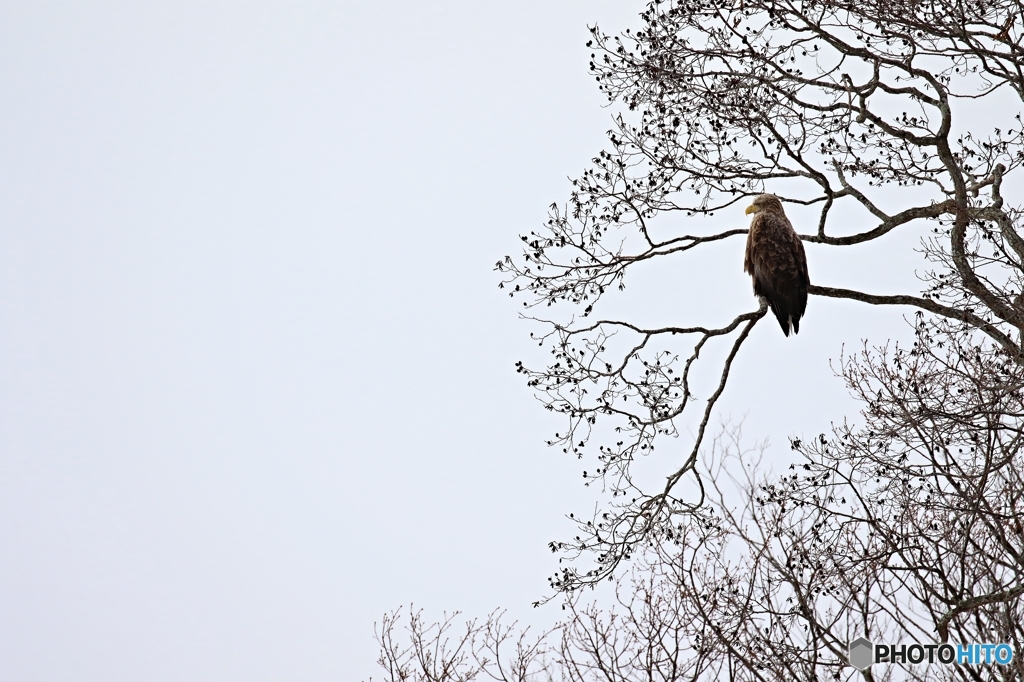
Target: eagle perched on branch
column 776, row 262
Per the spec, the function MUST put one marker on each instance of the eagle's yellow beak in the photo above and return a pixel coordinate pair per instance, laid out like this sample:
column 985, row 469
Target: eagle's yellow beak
column 752, row 209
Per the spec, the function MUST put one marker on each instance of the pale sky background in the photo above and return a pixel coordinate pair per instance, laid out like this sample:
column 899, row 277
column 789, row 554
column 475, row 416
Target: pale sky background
column 256, row 378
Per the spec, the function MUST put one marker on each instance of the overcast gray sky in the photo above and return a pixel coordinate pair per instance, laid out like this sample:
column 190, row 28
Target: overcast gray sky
column 256, row 378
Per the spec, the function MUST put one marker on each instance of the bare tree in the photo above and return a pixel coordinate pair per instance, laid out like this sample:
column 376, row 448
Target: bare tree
column 907, row 522
column 848, row 108
column 442, row 652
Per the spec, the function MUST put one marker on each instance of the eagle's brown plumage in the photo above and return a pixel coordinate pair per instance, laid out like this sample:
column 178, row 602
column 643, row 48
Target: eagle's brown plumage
column 776, row 261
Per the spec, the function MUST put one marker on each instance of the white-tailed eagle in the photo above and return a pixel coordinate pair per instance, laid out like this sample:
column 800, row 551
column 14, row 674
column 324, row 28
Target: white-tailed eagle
column 776, row 261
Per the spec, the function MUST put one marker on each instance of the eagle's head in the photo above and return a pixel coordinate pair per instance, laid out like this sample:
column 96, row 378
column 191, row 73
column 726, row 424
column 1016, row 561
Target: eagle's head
column 765, row 202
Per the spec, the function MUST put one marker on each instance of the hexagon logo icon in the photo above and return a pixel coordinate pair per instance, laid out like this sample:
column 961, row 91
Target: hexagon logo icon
column 861, row 653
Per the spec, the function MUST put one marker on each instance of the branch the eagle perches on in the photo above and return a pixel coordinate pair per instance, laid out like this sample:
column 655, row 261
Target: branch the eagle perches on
column 719, row 103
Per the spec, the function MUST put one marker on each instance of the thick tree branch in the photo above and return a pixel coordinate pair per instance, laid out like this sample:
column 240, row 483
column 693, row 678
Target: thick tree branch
column 924, row 304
